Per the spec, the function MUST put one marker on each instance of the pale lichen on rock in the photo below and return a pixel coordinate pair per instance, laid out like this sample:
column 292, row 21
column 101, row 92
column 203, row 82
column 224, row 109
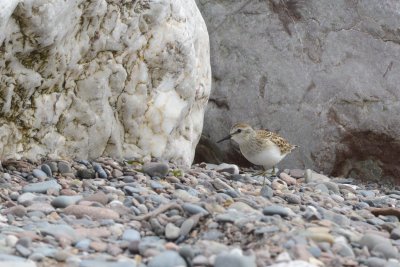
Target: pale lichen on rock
column 95, row 78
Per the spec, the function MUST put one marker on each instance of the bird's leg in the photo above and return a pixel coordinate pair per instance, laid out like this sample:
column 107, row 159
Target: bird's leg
column 273, row 174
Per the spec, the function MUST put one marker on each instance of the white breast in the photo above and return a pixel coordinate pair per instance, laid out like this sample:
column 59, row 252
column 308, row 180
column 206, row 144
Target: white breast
column 267, row 158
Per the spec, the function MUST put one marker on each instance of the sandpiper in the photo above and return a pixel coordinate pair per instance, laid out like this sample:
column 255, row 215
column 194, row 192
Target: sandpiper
column 260, row 147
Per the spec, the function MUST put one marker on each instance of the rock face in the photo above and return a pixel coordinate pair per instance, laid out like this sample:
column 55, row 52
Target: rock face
column 92, row 78
column 324, row 74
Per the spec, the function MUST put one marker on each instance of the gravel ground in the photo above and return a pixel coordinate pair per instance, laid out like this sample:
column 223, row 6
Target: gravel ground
column 116, row 214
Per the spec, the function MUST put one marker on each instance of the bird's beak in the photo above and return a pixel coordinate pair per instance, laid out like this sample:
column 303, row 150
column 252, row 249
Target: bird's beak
column 225, row 138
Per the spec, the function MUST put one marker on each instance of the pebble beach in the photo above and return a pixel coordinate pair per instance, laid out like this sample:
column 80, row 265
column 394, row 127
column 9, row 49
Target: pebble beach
column 132, row 214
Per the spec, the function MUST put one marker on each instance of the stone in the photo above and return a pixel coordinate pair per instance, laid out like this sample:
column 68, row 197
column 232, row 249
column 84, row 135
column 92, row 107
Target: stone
column 386, row 250
column 99, row 170
column 171, row 231
column 42, row 187
column 185, row 196
column 86, row 174
column 143, row 95
column 193, row 208
column 312, row 176
column 18, row 211
column 46, row 169
column 59, row 231
column 276, row 209
column 395, row 234
column 106, row 263
column 131, row 235
column 39, row 174
column 266, row 192
column 167, row 259
column 234, row 259
column 41, row 207
column 296, row 45
column 23, row 251
column 64, row 167
column 156, row 169
column 292, row 198
column 65, row 201
column 371, row 240
column 297, row 173
column 229, row 168
column 375, row 262
column 99, row 197
column 96, row 213
column 287, row 178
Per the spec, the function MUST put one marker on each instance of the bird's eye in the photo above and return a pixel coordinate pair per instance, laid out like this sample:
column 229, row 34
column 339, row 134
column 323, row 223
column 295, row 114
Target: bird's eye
column 239, row 131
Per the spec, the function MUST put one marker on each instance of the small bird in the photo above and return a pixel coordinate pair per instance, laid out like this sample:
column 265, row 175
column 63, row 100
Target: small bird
column 260, row 147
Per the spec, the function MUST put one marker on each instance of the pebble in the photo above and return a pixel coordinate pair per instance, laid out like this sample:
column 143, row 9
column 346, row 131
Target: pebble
column 96, row 213
column 276, row 210
column 86, row 174
column 288, row 179
column 41, row 187
column 194, row 217
column 234, row 259
column 193, row 209
column 46, row 169
column 267, row 192
column 64, row 167
column 107, row 263
column 131, row 235
column 99, row 170
column 99, row 197
column 311, row 176
column 171, row 231
column 228, row 168
column 156, row 169
column 38, row 173
column 167, row 259
column 65, row 201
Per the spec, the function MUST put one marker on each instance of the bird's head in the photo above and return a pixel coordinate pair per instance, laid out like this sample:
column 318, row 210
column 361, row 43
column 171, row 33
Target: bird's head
column 240, row 132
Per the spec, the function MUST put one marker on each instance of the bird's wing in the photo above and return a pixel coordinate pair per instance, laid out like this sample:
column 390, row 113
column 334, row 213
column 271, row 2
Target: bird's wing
column 275, row 138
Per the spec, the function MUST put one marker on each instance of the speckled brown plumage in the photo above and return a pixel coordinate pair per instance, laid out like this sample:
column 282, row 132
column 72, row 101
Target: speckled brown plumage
column 265, row 137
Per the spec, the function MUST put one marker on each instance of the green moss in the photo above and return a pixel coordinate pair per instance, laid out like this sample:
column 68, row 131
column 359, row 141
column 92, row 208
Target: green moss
column 177, row 173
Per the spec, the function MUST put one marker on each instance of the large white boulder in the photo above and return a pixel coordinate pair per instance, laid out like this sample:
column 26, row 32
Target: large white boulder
column 102, row 78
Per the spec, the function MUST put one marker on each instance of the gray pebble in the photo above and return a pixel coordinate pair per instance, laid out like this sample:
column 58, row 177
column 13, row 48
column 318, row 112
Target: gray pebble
column 292, row 198
column 39, row 174
column 53, row 166
column 386, row 250
column 65, row 201
column 64, row 167
column 167, row 259
column 193, row 209
column 156, row 185
column 375, row 262
column 171, row 231
column 105, row 263
column 131, row 235
column 276, row 209
column 323, row 188
column 83, row 244
column 367, row 193
column 46, row 169
column 333, row 187
column 395, row 234
column 371, row 240
column 234, row 260
column 86, row 174
column 156, row 169
column 266, row 192
column 42, row 187
column 23, row 251
column 100, row 171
